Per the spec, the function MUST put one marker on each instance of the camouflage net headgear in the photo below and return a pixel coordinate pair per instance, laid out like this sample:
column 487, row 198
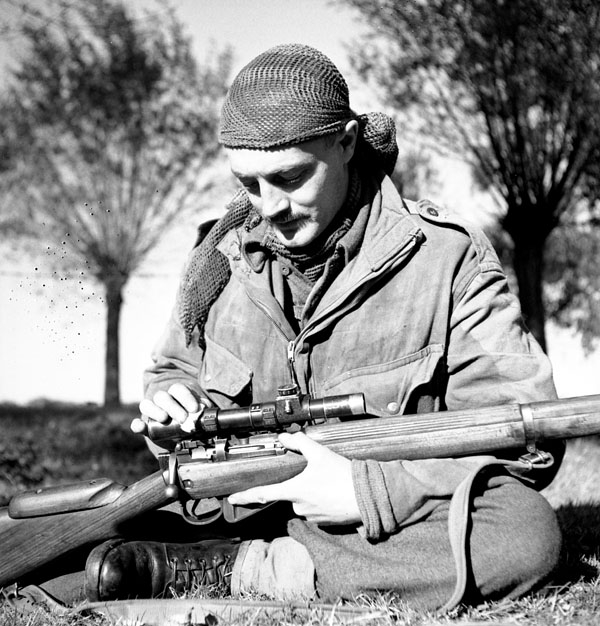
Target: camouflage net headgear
column 293, row 93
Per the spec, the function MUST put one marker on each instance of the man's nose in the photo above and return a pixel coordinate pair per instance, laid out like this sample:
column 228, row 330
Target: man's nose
column 273, row 201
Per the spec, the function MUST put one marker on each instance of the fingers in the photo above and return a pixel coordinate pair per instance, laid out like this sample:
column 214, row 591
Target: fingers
column 291, row 490
column 152, row 411
column 138, row 426
column 322, row 501
column 178, row 403
column 186, row 398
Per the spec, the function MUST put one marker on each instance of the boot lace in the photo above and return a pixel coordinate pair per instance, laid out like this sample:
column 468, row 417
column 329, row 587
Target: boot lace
column 191, row 573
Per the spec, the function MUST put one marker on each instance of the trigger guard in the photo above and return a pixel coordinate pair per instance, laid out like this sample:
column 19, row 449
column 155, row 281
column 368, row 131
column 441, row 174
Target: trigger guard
column 201, row 512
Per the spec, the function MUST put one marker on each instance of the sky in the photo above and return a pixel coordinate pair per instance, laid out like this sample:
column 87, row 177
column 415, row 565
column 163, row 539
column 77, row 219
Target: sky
column 252, row 26
column 52, row 328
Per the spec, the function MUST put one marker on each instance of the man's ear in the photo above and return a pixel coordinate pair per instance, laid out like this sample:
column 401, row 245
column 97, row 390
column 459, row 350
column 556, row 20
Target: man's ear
column 348, row 138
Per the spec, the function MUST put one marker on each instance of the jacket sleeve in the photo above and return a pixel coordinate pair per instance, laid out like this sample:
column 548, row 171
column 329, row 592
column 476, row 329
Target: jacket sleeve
column 173, row 361
column 491, row 359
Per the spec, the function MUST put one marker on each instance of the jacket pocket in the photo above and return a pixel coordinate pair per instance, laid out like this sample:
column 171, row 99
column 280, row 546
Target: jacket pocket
column 226, row 379
column 388, row 387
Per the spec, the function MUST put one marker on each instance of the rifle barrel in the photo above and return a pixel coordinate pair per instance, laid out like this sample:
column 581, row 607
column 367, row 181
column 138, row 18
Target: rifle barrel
column 463, row 432
column 409, row 437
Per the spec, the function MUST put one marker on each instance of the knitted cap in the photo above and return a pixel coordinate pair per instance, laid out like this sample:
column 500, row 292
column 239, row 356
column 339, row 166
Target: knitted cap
column 293, row 93
column 286, row 95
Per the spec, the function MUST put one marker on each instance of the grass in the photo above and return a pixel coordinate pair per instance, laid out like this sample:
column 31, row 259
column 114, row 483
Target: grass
column 55, row 444
column 58, row 443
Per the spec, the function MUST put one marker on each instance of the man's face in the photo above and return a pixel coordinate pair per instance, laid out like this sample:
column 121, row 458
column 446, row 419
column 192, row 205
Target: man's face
column 298, row 189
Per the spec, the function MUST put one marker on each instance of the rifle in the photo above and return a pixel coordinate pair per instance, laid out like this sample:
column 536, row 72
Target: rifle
column 220, row 458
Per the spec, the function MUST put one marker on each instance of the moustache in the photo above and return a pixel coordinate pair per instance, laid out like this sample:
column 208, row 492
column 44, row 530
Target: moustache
column 285, row 218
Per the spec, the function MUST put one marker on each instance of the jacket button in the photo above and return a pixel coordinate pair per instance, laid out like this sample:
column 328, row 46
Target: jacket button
column 432, row 211
column 285, row 270
column 393, row 407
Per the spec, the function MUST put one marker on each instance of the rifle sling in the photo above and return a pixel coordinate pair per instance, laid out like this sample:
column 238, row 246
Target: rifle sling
column 458, row 524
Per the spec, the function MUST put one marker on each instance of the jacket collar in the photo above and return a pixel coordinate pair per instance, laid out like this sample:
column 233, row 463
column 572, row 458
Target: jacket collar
column 389, row 225
column 390, row 235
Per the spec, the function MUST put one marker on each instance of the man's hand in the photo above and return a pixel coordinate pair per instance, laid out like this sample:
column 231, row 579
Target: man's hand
column 179, row 403
column 323, row 493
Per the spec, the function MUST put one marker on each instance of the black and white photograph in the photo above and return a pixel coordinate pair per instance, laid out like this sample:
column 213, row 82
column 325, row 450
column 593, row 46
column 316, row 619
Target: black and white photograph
column 299, row 312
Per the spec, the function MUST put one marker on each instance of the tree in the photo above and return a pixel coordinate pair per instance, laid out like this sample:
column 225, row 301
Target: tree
column 573, row 279
column 512, row 86
column 413, row 173
column 116, row 123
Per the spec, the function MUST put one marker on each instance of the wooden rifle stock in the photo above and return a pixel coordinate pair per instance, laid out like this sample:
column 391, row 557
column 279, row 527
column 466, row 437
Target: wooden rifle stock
column 29, row 543
column 26, row 544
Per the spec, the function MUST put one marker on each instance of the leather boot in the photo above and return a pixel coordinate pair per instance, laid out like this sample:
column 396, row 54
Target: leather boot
column 119, row 569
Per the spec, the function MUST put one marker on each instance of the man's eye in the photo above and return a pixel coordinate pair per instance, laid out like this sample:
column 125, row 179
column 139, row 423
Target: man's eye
column 290, row 181
column 250, row 186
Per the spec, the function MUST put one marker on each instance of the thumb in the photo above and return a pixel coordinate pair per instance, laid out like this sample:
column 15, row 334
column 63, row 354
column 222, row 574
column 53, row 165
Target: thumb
column 299, row 442
column 259, row 495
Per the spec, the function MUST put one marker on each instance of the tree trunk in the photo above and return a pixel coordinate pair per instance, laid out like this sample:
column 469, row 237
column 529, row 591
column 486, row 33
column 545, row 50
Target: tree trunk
column 528, row 262
column 114, row 300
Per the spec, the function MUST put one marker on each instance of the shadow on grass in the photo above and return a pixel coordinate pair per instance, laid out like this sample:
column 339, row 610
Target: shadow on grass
column 580, row 524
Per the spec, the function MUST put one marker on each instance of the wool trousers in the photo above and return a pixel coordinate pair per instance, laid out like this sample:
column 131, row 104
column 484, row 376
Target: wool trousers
column 513, row 545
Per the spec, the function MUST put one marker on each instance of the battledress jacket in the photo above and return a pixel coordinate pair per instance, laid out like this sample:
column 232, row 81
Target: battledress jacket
column 422, row 310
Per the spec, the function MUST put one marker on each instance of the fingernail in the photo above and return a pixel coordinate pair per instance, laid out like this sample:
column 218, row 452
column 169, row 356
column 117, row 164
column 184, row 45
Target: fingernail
column 189, row 424
column 138, row 430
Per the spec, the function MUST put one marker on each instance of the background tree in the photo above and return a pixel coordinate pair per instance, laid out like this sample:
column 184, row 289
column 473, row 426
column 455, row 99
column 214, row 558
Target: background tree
column 512, row 86
column 573, row 278
column 114, row 125
column 414, row 173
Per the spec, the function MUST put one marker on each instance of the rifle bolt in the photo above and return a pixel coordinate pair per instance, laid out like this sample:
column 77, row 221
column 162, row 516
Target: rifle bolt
column 172, row 492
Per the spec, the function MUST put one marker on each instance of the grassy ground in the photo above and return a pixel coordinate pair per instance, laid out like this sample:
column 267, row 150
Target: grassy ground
column 52, row 444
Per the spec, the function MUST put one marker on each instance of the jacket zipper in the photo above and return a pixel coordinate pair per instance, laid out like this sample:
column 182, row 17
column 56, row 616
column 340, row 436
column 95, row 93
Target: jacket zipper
column 291, row 345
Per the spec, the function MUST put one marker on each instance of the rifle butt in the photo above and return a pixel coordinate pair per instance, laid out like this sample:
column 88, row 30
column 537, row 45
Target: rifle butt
column 31, row 542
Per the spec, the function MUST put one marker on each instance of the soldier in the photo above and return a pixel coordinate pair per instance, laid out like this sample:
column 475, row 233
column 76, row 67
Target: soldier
column 320, row 268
